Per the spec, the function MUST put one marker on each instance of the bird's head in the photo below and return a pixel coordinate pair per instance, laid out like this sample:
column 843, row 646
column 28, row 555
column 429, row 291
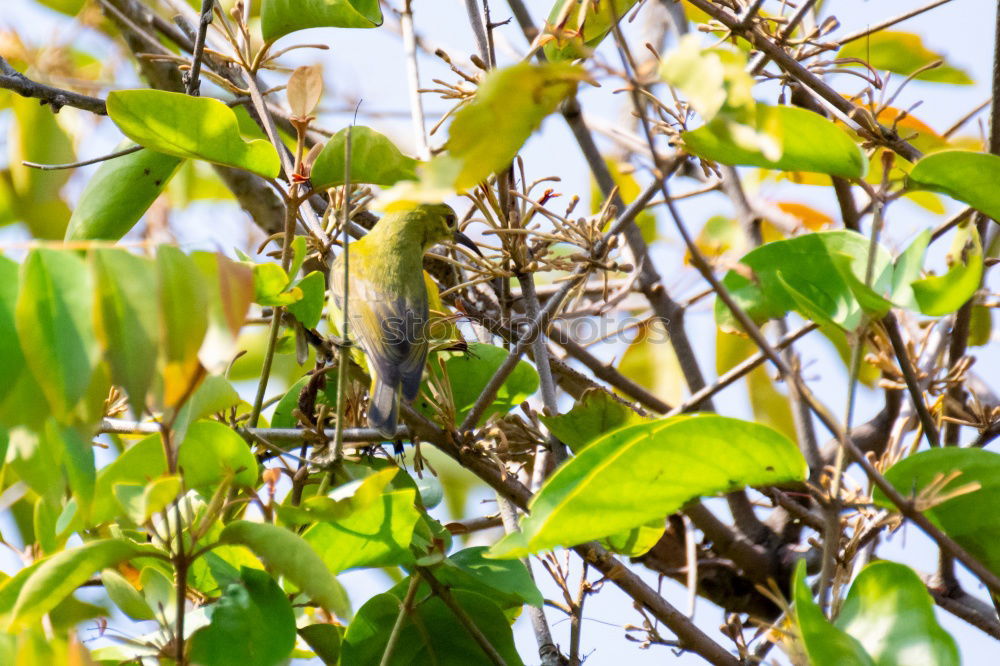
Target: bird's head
column 437, row 223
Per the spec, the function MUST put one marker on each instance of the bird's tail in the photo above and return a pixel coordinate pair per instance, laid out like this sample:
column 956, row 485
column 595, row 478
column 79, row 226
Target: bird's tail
column 383, row 407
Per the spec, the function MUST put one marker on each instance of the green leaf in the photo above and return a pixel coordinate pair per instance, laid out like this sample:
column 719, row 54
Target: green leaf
column 125, row 596
column 967, row 176
column 19, row 382
column 374, row 159
column 269, row 283
column 230, row 293
column 58, row 576
column 141, row 502
column 430, row 634
column 53, row 319
column 200, row 128
column 907, row 270
column 580, row 28
column 889, row 611
column 636, row 541
column 712, row 80
column 294, row 558
column 324, row 640
column 78, row 460
column 211, row 452
column 594, row 414
column 215, row 394
column 807, row 142
column 901, row 53
column 253, row 624
column 943, row 294
column 509, row 105
column 807, row 274
column 184, row 320
column 280, row 17
column 958, row 509
column 309, row 309
column 602, row 491
column 507, row 582
column 119, row 194
column 824, row 643
column 127, row 320
column 138, row 464
column 650, row 361
column 38, row 137
column 468, row 374
column 375, row 534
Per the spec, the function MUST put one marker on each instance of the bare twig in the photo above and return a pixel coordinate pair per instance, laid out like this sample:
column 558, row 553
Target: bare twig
column 15, row 81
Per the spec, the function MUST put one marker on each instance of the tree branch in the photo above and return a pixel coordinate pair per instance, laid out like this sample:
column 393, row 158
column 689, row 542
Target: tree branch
column 15, row 81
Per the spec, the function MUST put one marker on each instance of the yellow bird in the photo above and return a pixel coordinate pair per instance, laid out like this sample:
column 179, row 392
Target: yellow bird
column 388, row 309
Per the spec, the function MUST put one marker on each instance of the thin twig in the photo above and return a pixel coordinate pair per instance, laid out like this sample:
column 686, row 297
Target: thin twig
column 192, row 79
column 405, row 608
column 94, row 160
column 344, row 357
column 444, row 594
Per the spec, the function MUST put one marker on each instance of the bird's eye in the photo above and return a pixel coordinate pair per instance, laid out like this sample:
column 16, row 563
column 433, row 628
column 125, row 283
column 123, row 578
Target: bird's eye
column 450, row 221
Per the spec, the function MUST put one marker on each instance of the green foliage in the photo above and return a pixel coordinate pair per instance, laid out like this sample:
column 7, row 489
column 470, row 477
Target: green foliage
column 280, row 17
column 964, row 175
column 200, row 128
column 956, row 483
column 252, row 624
column 798, row 140
column 466, row 374
column 901, row 53
column 429, row 629
column 593, row 415
column 887, row 619
column 579, row 28
column 291, row 556
column 120, row 193
column 374, row 159
column 601, row 492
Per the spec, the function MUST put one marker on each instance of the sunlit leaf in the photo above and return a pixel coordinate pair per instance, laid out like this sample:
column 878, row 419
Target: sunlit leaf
column 578, row 28
column 823, row 642
column 280, row 17
column 184, row 320
column 467, row 373
column 309, row 309
column 125, row 596
column 602, row 491
column 212, row 452
column 889, row 611
column 942, row 294
column 293, row 557
column 127, row 320
column 57, row 577
column 963, row 175
column 650, row 361
column 119, row 194
column 378, row 534
column 594, row 414
column 19, row 392
column 901, row 53
column 807, row 142
column 200, row 128
column 966, row 480
column 821, row 275
column 54, row 322
column 374, row 159
column 37, row 136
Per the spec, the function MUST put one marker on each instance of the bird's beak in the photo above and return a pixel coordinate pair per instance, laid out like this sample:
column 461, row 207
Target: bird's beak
column 462, row 239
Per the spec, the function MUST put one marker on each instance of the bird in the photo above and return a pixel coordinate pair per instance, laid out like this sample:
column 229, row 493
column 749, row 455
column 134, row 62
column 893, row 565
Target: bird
column 388, row 307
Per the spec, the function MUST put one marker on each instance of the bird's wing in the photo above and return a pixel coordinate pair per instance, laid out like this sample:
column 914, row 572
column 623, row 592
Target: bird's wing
column 390, row 329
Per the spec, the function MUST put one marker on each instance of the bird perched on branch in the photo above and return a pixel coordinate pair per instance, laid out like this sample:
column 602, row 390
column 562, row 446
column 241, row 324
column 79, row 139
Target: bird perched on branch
column 387, row 302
